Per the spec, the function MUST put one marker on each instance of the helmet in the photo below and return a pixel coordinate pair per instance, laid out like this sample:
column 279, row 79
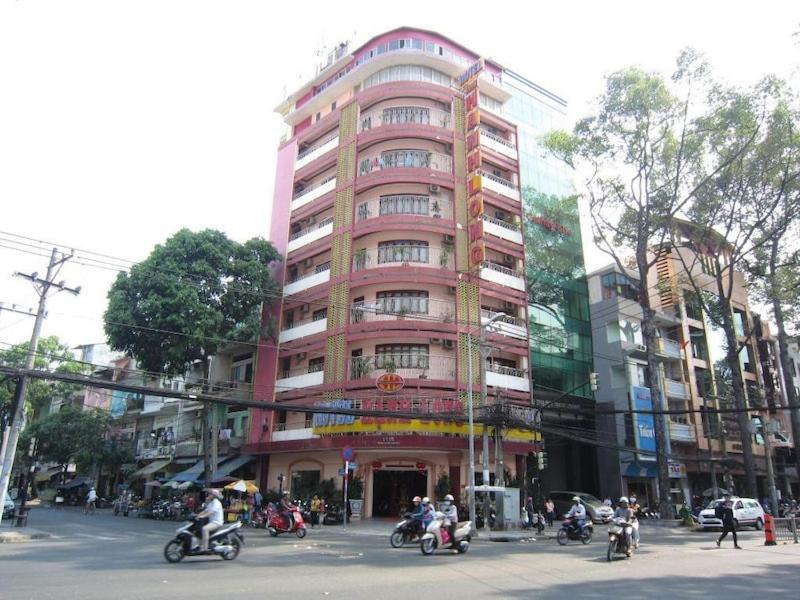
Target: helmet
column 426, row 500
column 576, row 499
column 623, row 500
column 417, row 499
column 286, row 493
column 449, row 498
column 214, row 492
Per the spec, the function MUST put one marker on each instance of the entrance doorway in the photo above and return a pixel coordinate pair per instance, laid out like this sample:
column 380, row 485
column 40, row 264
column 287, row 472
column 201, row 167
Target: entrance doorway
column 392, row 491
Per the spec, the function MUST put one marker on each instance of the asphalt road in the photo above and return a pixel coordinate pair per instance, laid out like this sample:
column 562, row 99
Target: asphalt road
column 102, row 557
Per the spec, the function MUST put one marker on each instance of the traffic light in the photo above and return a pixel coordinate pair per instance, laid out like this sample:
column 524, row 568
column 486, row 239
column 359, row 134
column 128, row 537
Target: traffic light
column 541, row 458
column 593, row 384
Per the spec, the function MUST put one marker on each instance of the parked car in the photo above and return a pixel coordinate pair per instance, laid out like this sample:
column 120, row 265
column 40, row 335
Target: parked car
column 8, row 507
column 746, row 513
column 595, row 509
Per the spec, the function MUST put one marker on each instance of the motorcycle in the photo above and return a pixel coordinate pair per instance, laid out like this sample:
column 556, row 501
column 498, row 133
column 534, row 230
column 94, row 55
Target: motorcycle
column 570, row 531
column 276, row 523
column 226, row 541
column 437, row 536
column 538, row 519
column 123, row 506
column 406, row 531
column 620, row 536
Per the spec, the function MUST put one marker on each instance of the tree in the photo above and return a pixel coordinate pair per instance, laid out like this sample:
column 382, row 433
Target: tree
column 51, row 355
column 642, row 157
column 193, row 294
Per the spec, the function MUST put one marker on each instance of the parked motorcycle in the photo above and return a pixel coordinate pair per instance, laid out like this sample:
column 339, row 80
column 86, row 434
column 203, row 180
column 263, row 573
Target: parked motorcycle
column 122, row 505
column 437, row 536
column 571, row 531
column 406, row 531
column 620, row 535
column 226, row 541
column 277, row 523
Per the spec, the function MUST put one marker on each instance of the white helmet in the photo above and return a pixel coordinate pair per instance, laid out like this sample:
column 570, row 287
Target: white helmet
column 623, row 500
column 426, row 500
column 576, row 499
column 449, row 498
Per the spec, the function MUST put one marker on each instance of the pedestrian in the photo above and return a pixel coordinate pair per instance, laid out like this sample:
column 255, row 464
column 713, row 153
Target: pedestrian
column 316, row 505
column 259, row 500
column 529, row 511
column 549, row 512
column 724, row 511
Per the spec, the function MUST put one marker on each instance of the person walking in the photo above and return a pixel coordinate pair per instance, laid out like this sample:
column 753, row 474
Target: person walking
column 529, row 511
column 725, row 512
column 549, row 512
column 316, row 505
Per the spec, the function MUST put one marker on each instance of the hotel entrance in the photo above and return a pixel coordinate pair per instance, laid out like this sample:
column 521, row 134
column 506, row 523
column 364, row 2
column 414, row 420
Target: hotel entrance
column 393, row 489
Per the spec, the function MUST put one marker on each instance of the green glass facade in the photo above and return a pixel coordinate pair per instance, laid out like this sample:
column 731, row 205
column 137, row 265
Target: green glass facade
column 558, row 300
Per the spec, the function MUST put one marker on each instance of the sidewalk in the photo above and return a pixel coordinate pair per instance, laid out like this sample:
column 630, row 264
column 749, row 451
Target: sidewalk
column 13, row 535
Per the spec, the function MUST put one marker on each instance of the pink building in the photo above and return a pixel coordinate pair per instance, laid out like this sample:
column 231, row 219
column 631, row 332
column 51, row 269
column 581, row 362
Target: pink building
column 398, row 208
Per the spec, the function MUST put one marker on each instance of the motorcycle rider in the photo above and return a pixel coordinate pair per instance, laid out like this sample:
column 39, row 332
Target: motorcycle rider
column 625, row 512
column 635, row 510
column 287, row 509
column 428, row 512
column 213, row 512
column 417, row 512
column 450, row 516
column 578, row 513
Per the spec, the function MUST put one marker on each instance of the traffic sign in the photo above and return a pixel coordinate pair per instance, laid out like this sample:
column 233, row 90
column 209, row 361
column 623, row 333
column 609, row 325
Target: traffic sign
column 352, row 466
column 348, row 453
column 341, row 472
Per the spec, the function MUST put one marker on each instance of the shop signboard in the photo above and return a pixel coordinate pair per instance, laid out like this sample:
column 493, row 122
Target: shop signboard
column 643, row 424
column 390, row 383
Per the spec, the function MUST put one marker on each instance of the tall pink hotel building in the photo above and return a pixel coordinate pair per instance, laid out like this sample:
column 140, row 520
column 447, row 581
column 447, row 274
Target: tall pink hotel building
column 398, row 209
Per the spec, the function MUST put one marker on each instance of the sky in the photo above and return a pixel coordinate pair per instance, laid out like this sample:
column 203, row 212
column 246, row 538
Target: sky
column 124, row 121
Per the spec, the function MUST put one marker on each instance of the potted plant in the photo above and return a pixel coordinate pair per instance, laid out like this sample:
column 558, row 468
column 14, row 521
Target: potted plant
column 437, row 210
column 444, row 257
column 389, row 365
column 360, row 259
column 442, row 487
column 355, row 495
column 360, row 366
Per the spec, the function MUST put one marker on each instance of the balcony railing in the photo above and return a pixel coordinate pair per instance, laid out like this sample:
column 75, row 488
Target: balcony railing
column 406, row 159
column 393, row 309
column 321, row 274
column 496, row 138
column 502, row 229
column 405, row 204
column 506, row 370
column 317, row 145
column 408, row 366
column 406, row 115
column 681, row 431
column 314, row 191
column 512, row 378
column 311, row 229
column 670, row 348
column 500, row 185
column 502, row 275
column 675, row 389
column 303, row 328
column 300, row 377
column 394, row 256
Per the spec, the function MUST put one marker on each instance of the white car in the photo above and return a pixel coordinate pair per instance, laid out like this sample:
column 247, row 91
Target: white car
column 746, row 512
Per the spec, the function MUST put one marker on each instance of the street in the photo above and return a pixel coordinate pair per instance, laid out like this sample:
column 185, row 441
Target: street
column 103, row 556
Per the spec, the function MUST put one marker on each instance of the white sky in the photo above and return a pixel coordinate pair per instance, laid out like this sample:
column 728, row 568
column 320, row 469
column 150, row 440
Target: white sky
column 122, row 121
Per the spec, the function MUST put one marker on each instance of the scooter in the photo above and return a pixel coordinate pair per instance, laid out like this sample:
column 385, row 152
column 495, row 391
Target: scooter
column 276, row 523
column 437, row 536
column 226, row 541
column 620, row 536
column 570, row 531
column 406, row 531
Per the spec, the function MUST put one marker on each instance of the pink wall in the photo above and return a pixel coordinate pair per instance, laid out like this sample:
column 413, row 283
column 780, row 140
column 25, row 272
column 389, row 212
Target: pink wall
column 267, row 357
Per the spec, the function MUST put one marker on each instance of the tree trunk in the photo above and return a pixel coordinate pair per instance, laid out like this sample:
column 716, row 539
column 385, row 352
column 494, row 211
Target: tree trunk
column 742, row 418
column 208, row 430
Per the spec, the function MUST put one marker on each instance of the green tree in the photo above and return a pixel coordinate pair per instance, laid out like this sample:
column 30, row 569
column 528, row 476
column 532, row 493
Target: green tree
column 193, row 294
column 51, row 355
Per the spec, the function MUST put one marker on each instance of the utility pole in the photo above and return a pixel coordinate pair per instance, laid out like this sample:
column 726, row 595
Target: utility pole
column 43, row 288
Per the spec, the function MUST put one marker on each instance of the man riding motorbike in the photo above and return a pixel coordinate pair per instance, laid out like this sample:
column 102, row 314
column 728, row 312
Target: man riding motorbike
column 287, row 508
column 450, row 515
column 577, row 513
column 624, row 512
column 213, row 512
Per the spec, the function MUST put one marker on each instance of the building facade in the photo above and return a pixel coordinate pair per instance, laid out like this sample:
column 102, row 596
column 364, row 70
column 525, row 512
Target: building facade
column 399, row 208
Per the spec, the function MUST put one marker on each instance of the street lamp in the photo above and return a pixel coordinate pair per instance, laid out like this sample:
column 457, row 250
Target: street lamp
column 470, row 407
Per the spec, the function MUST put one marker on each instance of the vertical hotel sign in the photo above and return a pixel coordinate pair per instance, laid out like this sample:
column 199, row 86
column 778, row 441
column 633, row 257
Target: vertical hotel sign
column 469, row 85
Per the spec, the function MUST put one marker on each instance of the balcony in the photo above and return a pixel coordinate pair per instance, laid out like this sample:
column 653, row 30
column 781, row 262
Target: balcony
column 310, row 234
column 308, row 155
column 406, row 115
column 510, row 378
column 675, row 389
column 287, row 432
column 321, row 275
column 502, row 275
column 506, row 325
column 302, row 329
column 311, row 193
column 153, row 448
column 408, row 366
column 300, row 378
column 669, row 348
column 498, row 144
column 395, row 309
column 501, row 186
column 406, row 159
column 403, row 256
column 681, row 432
column 415, row 205
column 502, row 229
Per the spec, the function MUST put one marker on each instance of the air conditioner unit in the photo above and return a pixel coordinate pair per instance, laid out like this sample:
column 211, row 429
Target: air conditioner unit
column 641, row 348
column 304, row 308
column 434, row 188
column 447, row 344
column 312, row 220
column 300, row 356
column 509, row 305
column 499, row 214
column 508, row 259
column 449, row 239
column 437, row 341
column 451, row 289
column 308, row 263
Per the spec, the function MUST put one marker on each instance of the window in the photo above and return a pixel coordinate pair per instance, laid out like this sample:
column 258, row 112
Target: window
column 333, row 106
column 630, row 330
column 405, row 159
column 406, row 301
column 407, row 73
column 404, row 204
column 401, row 356
column 320, row 314
column 403, row 251
column 316, row 364
column 319, row 116
column 619, row 285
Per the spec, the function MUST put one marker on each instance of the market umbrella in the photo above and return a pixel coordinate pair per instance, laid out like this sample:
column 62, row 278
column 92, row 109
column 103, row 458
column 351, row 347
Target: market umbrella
column 185, row 485
column 154, row 483
column 237, row 486
column 173, row 485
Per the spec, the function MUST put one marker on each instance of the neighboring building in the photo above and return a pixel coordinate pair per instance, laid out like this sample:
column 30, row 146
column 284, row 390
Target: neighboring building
column 399, row 209
column 692, row 370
